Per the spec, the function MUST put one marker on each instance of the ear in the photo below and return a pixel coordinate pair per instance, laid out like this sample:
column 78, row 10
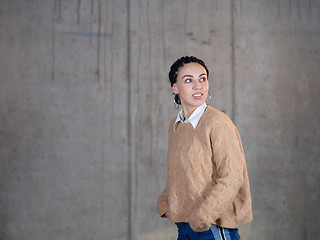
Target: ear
column 175, row 89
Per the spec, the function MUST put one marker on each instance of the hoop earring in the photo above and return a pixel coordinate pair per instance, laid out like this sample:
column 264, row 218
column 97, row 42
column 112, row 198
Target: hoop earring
column 176, row 106
column 176, row 101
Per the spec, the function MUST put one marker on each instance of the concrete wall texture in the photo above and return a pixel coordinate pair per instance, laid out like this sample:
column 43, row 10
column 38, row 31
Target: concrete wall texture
column 85, row 104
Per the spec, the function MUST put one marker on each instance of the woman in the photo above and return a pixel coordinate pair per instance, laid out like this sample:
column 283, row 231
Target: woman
column 207, row 193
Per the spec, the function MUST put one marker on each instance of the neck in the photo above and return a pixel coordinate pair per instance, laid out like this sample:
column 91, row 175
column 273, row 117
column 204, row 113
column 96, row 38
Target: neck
column 187, row 112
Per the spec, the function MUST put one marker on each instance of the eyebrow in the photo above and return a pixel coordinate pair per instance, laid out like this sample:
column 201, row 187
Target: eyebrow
column 202, row 74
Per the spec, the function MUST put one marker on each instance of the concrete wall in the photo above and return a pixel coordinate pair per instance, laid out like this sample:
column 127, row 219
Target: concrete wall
column 85, row 105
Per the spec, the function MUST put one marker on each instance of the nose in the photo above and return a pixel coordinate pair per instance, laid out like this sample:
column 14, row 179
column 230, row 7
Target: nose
column 196, row 85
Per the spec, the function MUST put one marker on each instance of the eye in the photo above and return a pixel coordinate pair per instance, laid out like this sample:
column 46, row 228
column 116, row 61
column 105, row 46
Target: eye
column 188, row 80
column 203, row 79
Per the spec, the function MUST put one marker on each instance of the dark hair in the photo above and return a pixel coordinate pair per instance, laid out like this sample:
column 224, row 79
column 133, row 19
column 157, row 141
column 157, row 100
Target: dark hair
column 180, row 63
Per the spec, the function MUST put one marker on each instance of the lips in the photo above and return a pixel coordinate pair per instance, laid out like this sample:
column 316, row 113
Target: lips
column 197, row 95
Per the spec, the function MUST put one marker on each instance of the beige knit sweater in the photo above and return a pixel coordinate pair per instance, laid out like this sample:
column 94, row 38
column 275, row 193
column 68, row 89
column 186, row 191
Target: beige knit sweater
column 207, row 175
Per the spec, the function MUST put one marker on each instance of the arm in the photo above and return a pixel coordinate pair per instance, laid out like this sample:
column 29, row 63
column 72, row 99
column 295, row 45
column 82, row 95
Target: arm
column 163, row 202
column 228, row 164
column 163, row 206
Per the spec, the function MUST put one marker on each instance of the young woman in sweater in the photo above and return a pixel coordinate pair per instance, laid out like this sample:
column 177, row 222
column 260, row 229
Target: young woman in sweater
column 207, row 194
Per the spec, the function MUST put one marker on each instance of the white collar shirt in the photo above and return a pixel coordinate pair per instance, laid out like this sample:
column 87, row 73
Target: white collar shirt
column 193, row 119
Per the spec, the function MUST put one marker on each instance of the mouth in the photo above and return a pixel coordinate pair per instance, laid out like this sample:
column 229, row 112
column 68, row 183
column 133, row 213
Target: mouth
column 197, row 95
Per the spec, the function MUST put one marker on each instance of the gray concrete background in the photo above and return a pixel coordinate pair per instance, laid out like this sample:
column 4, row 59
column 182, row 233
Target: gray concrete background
column 85, row 105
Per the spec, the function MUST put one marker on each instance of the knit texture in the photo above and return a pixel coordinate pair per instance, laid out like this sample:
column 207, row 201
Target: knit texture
column 207, row 174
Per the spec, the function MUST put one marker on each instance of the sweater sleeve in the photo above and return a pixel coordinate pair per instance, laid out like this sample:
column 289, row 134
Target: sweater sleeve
column 163, row 205
column 229, row 163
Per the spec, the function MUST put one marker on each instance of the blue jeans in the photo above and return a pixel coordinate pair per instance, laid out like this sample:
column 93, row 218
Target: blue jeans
column 214, row 233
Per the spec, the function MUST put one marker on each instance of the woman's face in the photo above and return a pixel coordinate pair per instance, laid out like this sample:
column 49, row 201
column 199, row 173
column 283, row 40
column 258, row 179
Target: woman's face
column 192, row 86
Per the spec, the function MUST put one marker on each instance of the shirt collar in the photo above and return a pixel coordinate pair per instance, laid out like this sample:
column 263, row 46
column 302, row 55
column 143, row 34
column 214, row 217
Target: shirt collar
column 193, row 119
